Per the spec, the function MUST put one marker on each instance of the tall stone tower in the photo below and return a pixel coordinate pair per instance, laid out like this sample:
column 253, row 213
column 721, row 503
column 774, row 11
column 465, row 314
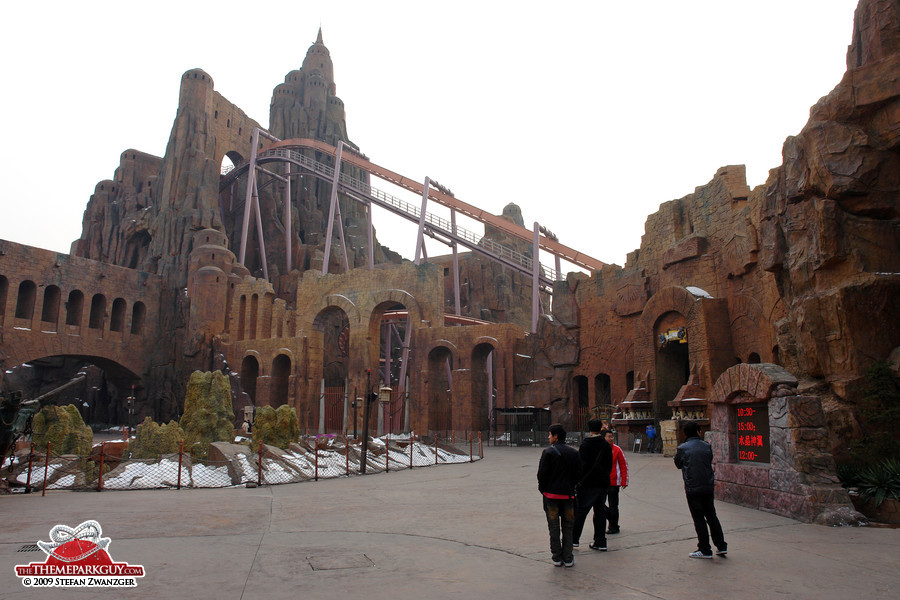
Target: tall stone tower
column 306, row 104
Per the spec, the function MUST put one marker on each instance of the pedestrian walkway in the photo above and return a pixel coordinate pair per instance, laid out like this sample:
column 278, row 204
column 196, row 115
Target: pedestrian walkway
column 458, row 531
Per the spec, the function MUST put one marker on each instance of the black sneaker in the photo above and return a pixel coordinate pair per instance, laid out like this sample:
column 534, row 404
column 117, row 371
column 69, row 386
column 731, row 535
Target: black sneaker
column 601, row 547
column 613, row 531
column 698, row 554
column 569, row 563
column 557, row 563
column 722, row 552
column 575, row 544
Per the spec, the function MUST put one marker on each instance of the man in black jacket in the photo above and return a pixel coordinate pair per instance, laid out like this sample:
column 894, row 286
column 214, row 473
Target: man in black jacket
column 694, row 458
column 596, row 463
column 557, row 475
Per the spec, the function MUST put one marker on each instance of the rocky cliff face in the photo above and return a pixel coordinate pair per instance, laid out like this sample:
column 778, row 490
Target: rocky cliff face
column 807, row 265
column 830, row 218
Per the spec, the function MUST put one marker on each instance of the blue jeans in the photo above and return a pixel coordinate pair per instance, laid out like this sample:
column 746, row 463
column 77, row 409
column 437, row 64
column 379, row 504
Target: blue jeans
column 560, row 520
column 591, row 498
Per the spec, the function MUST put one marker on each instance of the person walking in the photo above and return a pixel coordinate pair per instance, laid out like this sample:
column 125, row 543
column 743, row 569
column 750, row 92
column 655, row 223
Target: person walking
column 694, row 458
column 618, row 479
column 557, row 475
column 596, row 464
column 651, row 438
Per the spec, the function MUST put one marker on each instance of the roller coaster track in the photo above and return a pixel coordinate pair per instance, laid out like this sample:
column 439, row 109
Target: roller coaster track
column 291, row 151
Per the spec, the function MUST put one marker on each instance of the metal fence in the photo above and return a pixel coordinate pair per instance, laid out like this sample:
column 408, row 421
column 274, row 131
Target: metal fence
column 313, row 457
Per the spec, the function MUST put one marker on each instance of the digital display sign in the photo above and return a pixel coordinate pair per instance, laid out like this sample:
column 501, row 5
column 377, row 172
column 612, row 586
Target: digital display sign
column 752, row 430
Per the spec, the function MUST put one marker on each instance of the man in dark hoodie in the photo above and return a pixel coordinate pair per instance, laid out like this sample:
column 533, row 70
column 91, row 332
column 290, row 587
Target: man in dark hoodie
column 694, row 458
column 596, row 463
column 557, row 475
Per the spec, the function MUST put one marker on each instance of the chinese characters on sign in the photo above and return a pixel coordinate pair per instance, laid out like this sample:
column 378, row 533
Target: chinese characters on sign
column 752, row 430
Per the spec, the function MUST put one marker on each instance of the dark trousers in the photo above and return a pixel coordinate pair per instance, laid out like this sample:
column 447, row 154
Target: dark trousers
column 703, row 511
column 560, row 521
column 612, row 507
column 591, row 498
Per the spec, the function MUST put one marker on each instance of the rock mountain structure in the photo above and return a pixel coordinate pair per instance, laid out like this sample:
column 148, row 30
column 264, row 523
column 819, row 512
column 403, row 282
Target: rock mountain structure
column 754, row 311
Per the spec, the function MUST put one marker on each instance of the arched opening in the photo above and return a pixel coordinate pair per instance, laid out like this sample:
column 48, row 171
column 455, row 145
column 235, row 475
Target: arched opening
column 629, row 381
column 117, row 315
column 25, row 300
column 249, row 375
column 268, row 304
column 96, row 386
column 390, row 321
column 581, row 402
column 254, row 315
column 281, row 373
column 753, row 359
column 672, row 360
column 138, row 313
column 484, row 386
column 438, row 391
column 242, row 317
column 602, row 390
column 4, row 290
column 50, row 309
column 74, row 308
column 334, row 326
column 98, row 312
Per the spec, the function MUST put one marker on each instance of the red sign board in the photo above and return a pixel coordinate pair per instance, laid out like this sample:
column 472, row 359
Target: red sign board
column 752, row 430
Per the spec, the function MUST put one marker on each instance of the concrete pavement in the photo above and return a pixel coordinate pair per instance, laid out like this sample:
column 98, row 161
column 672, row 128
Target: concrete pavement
column 455, row 531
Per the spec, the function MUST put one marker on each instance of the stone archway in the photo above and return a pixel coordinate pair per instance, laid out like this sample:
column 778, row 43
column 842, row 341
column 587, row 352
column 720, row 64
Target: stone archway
column 439, row 390
column 707, row 333
column 484, row 363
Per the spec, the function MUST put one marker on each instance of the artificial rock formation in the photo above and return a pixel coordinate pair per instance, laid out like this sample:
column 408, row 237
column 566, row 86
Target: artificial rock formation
column 802, row 272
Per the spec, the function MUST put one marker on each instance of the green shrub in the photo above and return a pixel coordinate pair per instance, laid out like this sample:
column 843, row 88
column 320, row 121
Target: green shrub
column 880, row 481
column 64, row 428
column 275, row 427
column 208, row 416
column 152, row 440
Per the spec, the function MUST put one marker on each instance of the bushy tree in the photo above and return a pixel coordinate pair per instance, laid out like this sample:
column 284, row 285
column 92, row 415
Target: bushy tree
column 208, row 416
column 152, row 440
column 64, row 428
column 275, row 427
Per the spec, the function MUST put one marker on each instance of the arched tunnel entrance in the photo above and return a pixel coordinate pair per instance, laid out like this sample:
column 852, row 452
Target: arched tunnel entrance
column 96, row 386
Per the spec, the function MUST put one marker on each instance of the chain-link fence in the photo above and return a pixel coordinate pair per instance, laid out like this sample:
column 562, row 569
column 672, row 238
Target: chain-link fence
column 312, row 457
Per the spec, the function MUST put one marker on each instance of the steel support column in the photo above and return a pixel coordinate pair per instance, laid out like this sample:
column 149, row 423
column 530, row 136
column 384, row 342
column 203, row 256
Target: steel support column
column 420, row 236
column 333, row 206
column 371, row 229
column 251, row 179
column 535, row 279
column 455, row 263
column 259, row 231
column 287, row 214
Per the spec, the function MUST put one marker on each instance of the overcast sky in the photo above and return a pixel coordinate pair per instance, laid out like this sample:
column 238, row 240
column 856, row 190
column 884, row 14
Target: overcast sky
column 588, row 115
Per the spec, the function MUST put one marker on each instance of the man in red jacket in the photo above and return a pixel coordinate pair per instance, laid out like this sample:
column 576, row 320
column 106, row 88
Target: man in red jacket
column 618, row 478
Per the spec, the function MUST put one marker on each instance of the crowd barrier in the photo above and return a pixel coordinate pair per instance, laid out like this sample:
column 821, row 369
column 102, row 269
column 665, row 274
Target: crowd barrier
column 311, row 458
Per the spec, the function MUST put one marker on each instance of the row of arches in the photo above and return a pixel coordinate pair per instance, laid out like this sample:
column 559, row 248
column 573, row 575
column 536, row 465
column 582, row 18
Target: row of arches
column 279, row 385
column 98, row 314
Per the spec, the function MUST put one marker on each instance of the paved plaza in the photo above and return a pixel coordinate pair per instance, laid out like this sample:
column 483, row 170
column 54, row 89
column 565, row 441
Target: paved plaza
column 456, row 531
